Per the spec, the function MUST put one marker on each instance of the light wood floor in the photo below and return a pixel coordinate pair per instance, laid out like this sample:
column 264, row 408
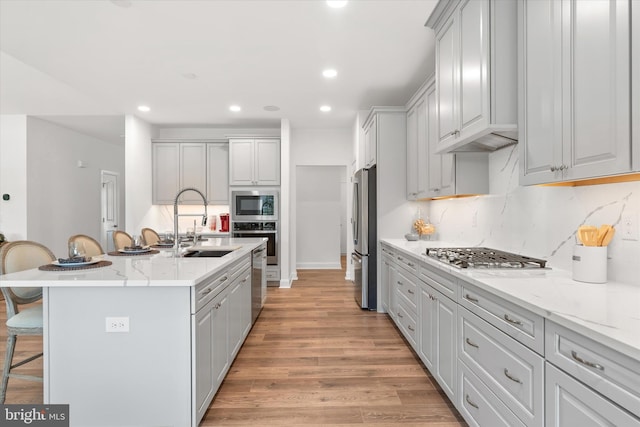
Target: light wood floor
column 313, row 358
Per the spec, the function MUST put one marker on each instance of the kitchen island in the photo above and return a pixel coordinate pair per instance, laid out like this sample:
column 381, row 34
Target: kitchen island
column 147, row 340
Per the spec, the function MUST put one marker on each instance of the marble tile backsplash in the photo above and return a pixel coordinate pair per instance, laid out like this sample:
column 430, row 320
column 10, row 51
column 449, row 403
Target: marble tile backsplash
column 540, row 221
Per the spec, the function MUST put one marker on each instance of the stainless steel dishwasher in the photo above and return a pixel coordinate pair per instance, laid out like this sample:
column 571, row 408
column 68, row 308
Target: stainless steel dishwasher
column 258, row 280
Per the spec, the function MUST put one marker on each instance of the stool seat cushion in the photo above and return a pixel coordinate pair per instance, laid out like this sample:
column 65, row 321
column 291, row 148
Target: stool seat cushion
column 28, row 320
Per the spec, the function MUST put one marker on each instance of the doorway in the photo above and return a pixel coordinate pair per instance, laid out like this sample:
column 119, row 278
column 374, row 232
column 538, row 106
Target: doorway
column 109, row 200
column 320, row 216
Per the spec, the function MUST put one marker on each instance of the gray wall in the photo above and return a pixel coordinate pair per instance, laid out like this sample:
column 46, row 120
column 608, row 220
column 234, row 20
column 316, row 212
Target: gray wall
column 63, row 199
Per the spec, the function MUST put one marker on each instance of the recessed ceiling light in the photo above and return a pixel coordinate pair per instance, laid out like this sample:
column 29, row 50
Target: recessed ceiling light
column 235, row 108
column 144, row 108
column 336, row 3
column 271, row 108
column 329, row 73
column 325, row 108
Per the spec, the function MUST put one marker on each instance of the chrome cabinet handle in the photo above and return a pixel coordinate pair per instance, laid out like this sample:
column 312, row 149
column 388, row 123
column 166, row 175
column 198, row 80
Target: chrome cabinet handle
column 586, row 362
column 466, row 397
column 470, row 298
column 400, row 258
column 410, row 328
column 410, row 264
column 512, row 321
column 400, row 315
column 400, row 283
column 410, row 291
column 512, row 378
column 206, row 291
column 471, row 343
column 553, row 168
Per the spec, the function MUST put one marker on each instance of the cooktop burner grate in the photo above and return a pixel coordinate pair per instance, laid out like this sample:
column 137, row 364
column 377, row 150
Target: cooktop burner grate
column 484, row 258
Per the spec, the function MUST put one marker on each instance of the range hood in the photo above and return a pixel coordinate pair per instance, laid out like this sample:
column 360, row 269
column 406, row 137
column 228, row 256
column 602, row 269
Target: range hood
column 487, row 141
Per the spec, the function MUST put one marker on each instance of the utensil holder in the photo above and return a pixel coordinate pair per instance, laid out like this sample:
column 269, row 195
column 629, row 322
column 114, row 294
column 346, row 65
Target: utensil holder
column 590, row 264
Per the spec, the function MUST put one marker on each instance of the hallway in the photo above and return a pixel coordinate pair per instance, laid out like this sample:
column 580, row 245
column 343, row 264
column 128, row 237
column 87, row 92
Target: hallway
column 314, row 358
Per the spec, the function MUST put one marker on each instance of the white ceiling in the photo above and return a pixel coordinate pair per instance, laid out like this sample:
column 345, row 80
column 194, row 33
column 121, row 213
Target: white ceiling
column 80, row 58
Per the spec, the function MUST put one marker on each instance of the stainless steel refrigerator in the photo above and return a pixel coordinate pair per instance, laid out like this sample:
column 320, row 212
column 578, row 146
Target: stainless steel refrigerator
column 364, row 225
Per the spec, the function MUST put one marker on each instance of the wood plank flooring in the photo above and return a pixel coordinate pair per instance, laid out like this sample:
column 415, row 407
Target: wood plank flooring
column 313, row 358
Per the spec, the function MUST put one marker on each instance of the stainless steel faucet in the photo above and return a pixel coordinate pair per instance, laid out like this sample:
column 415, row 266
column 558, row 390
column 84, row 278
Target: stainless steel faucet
column 176, row 244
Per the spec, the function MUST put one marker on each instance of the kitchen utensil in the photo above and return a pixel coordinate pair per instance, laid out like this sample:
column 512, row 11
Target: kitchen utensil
column 608, row 236
column 588, row 235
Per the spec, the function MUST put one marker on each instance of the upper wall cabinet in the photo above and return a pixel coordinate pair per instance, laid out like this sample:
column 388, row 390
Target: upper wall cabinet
column 178, row 165
column 476, row 80
column 254, row 161
column 218, row 173
column 635, row 86
column 370, row 142
column 417, row 147
column 575, row 100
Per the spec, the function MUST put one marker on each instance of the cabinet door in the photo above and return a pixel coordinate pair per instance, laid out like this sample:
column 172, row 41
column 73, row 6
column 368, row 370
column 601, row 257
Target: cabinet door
column 236, row 327
column 569, row 403
column 385, row 284
column 412, row 153
column 540, row 120
column 267, row 162
column 473, row 99
column 241, row 157
column 371, row 142
column 597, row 84
column 193, row 171
column 446, row 312
column 218, row 173
column 210, row 352
column 427, row 327
column 393, row 291
column 221, row 341
column 166, row 172
column 441, row 172
column 447, row 71
column 422, row 156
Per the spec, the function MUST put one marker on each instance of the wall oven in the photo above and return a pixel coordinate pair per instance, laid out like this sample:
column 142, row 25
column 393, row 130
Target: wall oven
column 254, row 205
column 268, row 229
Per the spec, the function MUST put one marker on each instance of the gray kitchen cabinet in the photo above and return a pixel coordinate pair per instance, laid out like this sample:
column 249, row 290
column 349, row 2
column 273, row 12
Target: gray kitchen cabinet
column 193, row 171
column 479, row 406
column 572, row 404
column 211, row 354
column 218, row 173
column 221, row 323
column 417, row 147
column 200, row 165
column 406, row 291
column 476, row 69
column 575, row 94
column 385, row 275
column 254, row 161
column 240, row 310
column 438, row 331
column 370, row 141
column 614, row 376
column 166, row 172
column 511, row 371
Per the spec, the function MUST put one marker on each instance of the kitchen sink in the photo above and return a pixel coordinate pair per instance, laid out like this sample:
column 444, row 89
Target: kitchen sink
column 206, row 253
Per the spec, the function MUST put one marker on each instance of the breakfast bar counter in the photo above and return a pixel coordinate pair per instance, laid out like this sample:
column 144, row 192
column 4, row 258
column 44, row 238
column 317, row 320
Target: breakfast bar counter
column 144, row 341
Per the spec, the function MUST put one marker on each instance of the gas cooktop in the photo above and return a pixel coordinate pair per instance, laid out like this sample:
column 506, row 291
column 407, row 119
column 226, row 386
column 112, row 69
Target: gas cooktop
column 483, row 258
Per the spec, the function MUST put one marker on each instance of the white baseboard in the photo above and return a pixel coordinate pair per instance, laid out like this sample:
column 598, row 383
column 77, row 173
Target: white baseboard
column 319, row 266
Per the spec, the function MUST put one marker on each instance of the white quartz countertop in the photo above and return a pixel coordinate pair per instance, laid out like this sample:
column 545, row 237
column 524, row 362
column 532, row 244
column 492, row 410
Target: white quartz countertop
column 608, row 313
column 161, row 269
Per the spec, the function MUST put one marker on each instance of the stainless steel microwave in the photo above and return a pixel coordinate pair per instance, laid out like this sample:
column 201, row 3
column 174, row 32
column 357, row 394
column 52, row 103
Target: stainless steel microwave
column 254, row 205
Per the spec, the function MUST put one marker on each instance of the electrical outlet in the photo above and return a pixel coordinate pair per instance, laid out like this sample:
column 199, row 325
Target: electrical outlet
column 629, row 225
column 117, row 324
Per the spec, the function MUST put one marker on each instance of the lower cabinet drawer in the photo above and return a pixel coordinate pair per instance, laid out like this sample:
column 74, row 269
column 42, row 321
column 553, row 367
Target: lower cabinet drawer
column 406, row 322
column 479, row 406
column 614, row 375
column 513, row 372
column 572, row 404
